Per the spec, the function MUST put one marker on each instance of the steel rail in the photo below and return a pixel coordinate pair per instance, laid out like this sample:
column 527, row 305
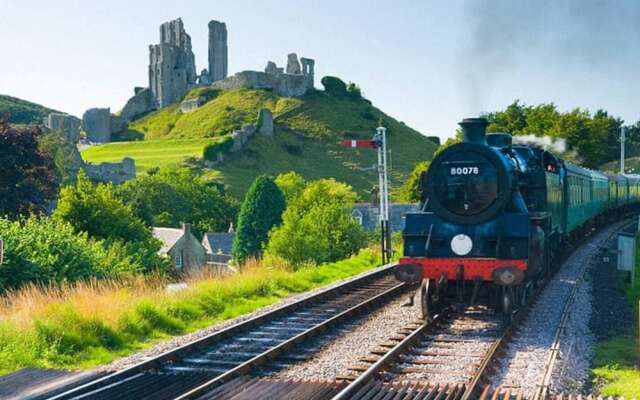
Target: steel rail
column 386, row 360
column 282, row 347
column 215, row 337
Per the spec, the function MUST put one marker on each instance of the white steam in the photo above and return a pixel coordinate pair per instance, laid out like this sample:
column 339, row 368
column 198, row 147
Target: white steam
column 558, row 145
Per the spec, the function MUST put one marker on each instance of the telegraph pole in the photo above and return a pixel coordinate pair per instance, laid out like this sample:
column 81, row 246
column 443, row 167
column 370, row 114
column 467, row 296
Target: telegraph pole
column 622, row 140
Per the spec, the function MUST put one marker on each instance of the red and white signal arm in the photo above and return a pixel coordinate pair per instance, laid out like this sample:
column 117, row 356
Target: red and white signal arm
column 361, row 143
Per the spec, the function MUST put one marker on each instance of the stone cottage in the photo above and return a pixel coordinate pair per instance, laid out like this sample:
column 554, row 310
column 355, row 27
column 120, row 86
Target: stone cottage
column 218, row 246
column 367, row 214
column 184, row 249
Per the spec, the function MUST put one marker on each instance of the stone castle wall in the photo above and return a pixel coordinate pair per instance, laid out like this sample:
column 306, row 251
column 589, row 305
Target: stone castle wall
column 282, row 84
column 111, row 172
column 218, row 51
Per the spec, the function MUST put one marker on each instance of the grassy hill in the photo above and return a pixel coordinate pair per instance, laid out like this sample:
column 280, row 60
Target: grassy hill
column 308, row 137
column 631, row 166
column 22, row 111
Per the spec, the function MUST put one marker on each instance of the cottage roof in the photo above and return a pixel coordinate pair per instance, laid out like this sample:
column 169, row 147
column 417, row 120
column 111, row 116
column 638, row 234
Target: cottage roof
column 218, row 242
column 168, row 236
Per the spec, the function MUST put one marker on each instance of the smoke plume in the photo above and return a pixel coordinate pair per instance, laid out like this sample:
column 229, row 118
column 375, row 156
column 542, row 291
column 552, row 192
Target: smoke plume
column 557, row 146
column 563, row 35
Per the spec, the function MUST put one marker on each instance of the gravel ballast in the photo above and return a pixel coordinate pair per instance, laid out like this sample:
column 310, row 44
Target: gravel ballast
column 523, row 365
column 334, row 357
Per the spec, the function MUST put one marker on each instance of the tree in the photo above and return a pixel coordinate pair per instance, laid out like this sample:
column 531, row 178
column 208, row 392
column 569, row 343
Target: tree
column 292, row 184
column 261, row 210
column 591, row 137
column 411, row 189
column 173, row 195
column 97, row 211
column 334, row 86
column 317, row 226
column 27, row 181
column 65, row 155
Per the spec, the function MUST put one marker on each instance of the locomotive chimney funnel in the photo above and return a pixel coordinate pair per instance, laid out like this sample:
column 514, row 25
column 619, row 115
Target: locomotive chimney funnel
column 474, row 130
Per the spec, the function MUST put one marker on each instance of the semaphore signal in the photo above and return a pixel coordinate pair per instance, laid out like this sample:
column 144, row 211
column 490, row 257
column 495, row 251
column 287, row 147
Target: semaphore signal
column 379, row 142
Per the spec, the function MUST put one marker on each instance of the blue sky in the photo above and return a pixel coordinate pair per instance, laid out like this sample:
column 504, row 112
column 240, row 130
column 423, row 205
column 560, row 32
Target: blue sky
column 426, row 63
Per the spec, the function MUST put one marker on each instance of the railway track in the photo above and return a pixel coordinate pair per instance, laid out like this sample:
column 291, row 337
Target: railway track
column 203, row 365
column 461, row 348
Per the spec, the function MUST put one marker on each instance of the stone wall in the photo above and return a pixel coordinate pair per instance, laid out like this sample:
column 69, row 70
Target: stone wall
column 218, row 50
column 282, row 84
column 66, row 125
column 111, row 172
column 171, row 64
column 96, row 123
column 192, row 104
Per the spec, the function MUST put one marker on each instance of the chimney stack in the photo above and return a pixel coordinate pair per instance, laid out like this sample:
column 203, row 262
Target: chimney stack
column 474, row 130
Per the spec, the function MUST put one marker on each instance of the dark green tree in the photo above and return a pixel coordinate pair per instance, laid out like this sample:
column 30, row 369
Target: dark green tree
column 261, row 210
column 334, row 86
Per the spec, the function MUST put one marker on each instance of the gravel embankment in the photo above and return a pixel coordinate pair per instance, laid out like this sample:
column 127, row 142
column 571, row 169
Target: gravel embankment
column 178, row 341
column 334, row 357
column 525, row 357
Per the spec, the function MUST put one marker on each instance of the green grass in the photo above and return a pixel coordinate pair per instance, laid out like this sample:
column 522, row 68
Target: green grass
column 23, row 111
column 147, row 153
column 615, row 367
column 92, row 324
column 309, row 131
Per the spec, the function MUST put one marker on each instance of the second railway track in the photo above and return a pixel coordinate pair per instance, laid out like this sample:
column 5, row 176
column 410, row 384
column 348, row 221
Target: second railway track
column 459, row 355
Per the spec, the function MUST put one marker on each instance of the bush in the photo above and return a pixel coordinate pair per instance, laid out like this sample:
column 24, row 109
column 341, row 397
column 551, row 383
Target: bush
column 212, row 150
column 354, row 91
column 261, row 210
column 47, row 250
column 334, row 86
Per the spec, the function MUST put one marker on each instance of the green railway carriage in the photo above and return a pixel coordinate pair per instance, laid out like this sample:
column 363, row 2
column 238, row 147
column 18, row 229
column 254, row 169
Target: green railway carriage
column 586, row 195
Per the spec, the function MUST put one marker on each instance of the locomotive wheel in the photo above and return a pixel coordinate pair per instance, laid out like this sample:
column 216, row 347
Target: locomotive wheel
column 507, row 305
column 426, row 299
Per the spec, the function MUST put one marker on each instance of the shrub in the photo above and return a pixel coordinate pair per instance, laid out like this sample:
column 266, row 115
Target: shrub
column 48, row 250
column 212, row 150
column 354, row 91
column 334, row 86
column 261, row 210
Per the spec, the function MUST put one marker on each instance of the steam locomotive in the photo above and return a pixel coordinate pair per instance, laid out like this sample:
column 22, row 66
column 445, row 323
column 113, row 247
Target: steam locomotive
column 495, row 216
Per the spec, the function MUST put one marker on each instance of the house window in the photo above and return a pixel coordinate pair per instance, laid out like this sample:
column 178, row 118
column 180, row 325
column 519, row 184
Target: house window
column 178, row 260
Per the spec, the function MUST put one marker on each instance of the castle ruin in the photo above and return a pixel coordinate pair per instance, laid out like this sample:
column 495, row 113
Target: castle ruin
column 172, row 73
column 217, row 51
column 172, row 67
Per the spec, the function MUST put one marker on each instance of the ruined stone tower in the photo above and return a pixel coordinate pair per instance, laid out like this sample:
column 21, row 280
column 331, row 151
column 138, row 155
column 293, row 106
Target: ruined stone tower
column 217, row 51
column 172, row 67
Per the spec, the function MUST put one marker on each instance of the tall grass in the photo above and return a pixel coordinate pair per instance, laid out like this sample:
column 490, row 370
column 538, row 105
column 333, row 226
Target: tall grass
column 90, row 323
